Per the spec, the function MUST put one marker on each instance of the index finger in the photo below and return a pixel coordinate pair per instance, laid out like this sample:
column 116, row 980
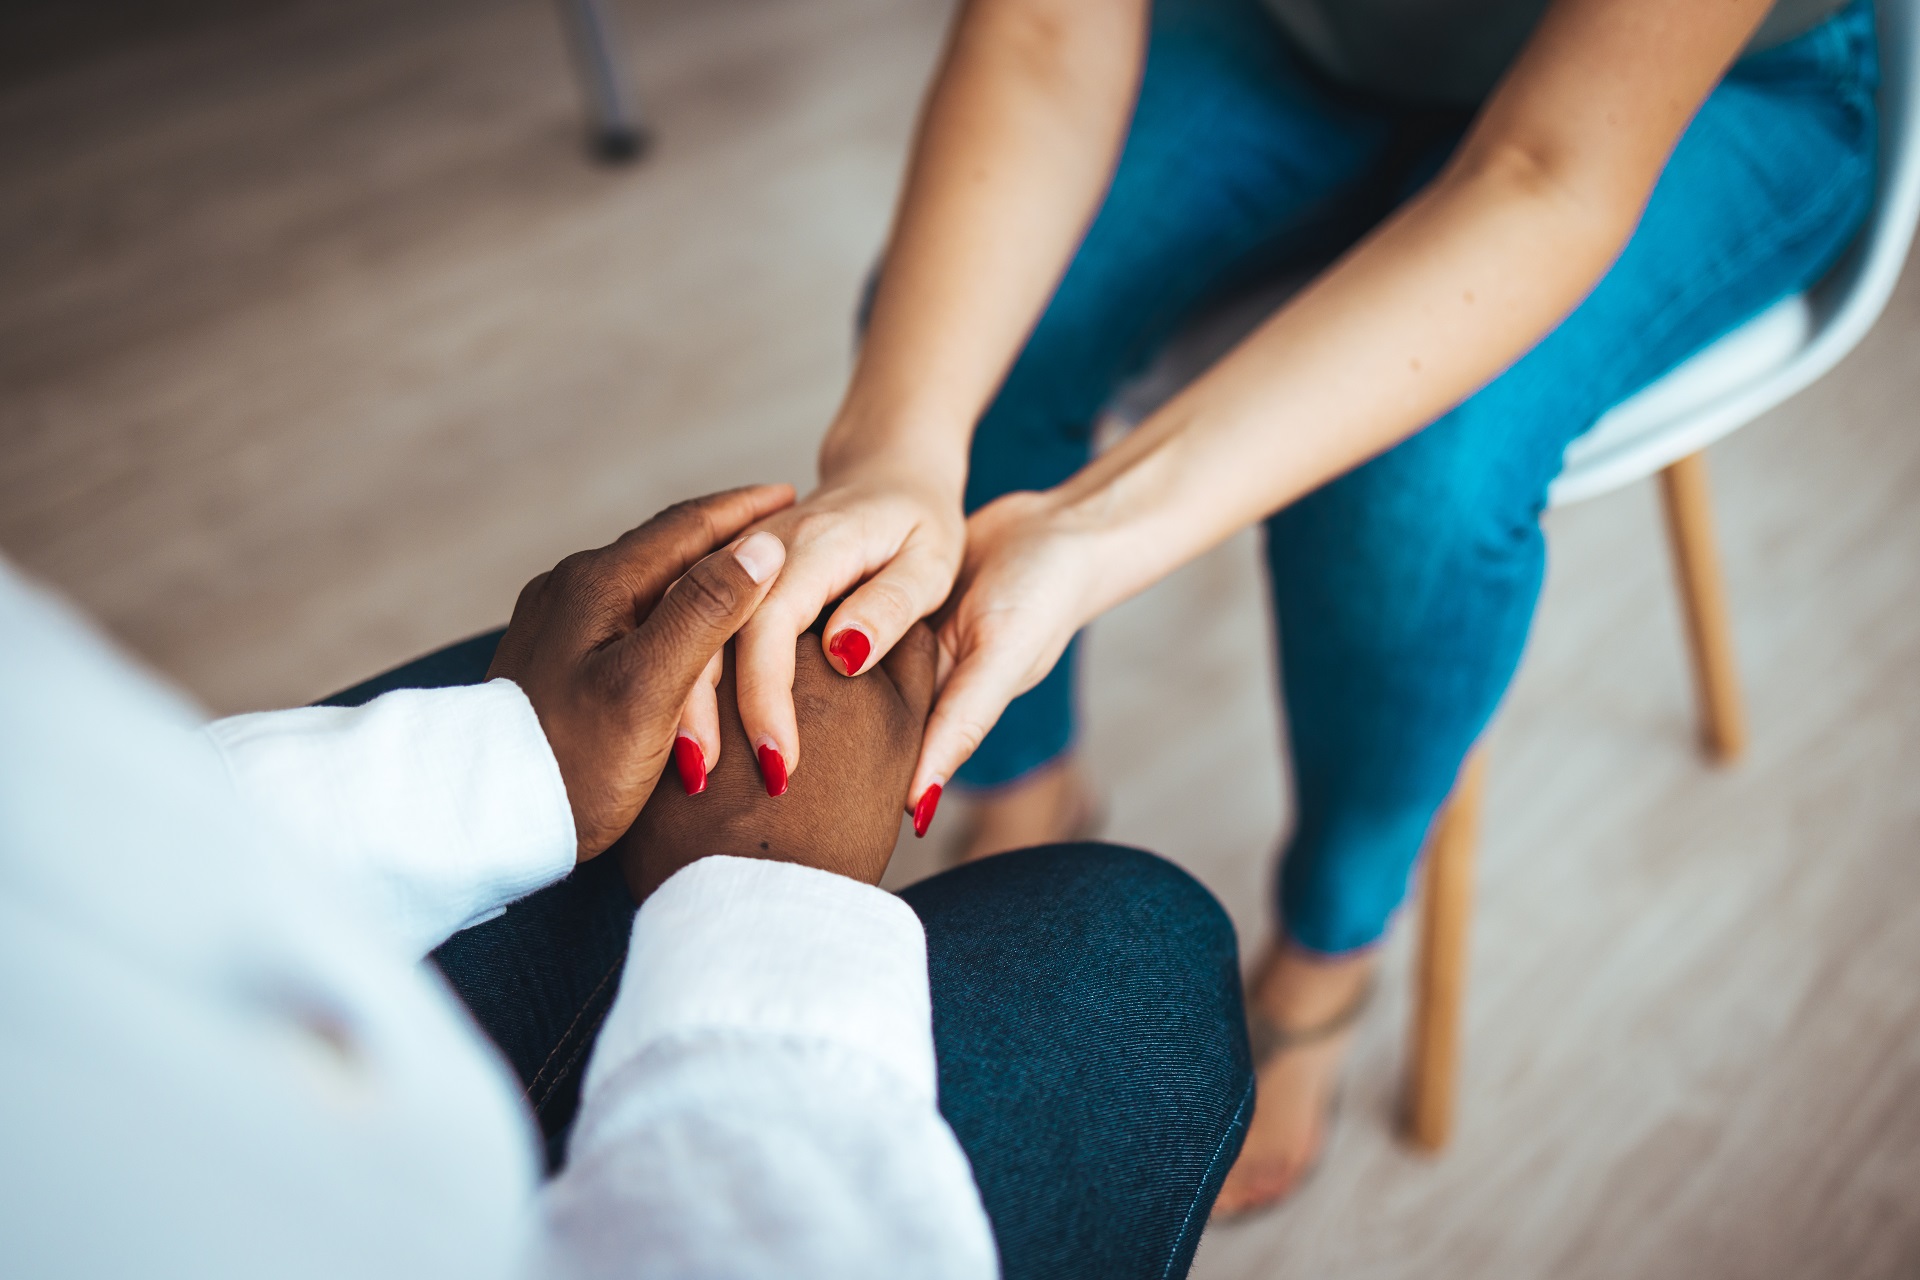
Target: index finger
column 982, row 684
column 818, row 568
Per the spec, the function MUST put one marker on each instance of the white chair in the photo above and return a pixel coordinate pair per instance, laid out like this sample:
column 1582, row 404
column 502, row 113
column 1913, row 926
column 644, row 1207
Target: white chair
column 1665, row 429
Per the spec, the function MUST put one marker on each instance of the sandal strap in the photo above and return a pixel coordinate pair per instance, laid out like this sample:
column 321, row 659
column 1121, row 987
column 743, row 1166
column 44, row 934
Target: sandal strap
column 1269, row 1039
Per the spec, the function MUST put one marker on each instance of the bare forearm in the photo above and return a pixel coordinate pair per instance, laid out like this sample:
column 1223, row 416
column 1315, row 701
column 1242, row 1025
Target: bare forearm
column 1015, row 148
column 1540, row 198
column 1438, row 301
column 1462, row 281
column 1013, row 153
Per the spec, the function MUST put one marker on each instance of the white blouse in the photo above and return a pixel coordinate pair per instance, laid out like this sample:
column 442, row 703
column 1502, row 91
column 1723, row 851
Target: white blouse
column 220, row 1054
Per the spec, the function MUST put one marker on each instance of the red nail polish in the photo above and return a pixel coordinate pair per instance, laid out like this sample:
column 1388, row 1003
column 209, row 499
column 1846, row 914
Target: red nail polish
column 692, row 764
column 773, row 770
column 923, row 812
column 852, row 648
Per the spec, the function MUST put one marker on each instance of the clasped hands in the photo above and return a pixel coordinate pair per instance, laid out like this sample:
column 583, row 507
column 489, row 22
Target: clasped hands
column 1005, row 589
column 610, row 644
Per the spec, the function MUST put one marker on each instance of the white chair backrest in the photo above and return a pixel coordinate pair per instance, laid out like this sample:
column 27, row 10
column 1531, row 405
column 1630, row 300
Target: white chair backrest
column 1797, row 341
column 1856, row 292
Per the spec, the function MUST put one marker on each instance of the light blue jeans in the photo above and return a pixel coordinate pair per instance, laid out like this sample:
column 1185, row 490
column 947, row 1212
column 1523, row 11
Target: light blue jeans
column 1404, row 589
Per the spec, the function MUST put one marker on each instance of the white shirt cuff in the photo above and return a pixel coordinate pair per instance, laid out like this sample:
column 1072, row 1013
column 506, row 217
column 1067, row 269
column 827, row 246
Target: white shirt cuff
column 748, row 945
column 436, row 806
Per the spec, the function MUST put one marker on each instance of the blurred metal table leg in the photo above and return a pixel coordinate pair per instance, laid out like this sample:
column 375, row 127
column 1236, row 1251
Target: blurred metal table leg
column 616, row 133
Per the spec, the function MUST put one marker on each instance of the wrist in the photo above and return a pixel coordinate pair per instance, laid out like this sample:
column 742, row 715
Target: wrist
column 1120, row 544
column 925, row 453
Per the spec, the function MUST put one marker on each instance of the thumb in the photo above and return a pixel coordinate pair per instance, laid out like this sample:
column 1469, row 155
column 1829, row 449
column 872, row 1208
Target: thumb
column 662, row 658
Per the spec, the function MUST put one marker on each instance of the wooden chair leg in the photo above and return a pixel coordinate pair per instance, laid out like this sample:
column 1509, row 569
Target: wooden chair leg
column 1703, row 601
column 1440, row 980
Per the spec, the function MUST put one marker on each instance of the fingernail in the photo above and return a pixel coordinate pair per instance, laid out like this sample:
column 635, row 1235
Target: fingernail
column 760, row 554
column 852, row 648
column 773, row 770
column 692, row 764
column 923, row 811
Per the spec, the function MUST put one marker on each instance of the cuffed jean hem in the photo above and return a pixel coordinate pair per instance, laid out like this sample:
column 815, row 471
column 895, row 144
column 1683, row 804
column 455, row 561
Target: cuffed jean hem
column 1318, row 955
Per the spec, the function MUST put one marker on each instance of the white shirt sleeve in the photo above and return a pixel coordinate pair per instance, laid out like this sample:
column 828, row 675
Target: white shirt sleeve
column 212, row 1068
column 434, row 807
column 762, row 1100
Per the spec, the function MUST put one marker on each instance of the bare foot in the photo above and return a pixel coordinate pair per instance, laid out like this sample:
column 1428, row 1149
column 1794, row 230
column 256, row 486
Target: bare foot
column 1297, row 992
column 1050, row 804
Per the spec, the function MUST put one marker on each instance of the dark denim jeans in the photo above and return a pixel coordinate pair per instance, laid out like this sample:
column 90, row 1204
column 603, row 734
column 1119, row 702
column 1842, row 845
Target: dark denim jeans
column 1403, row 591
column 1086, row 1018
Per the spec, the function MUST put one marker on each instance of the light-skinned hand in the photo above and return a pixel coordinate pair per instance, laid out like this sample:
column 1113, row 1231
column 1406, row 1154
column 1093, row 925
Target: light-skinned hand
column 894, row 541
column 1025, row 589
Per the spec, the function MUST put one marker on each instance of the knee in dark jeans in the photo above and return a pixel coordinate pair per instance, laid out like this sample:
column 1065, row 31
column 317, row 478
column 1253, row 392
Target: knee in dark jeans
column 1093, row 1057
column 1095, row 894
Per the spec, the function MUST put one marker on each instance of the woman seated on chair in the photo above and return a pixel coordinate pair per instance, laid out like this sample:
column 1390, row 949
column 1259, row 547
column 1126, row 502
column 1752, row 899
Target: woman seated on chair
column 1538, row 208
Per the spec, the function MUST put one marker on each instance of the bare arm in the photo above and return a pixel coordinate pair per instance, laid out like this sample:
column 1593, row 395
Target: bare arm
column 1532, row 210
column 1015, row 148
column 1016, row 145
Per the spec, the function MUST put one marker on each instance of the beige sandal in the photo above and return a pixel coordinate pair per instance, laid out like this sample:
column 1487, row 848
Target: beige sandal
column 1268, row 1040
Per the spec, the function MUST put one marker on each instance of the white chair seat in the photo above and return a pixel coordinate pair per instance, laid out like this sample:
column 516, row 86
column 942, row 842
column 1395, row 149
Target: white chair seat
column 1688, row 409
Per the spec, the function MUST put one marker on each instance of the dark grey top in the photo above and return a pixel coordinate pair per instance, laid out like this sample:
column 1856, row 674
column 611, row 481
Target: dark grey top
column 1454, row 50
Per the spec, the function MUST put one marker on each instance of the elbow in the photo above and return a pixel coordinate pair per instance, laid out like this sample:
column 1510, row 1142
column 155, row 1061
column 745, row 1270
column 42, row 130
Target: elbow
column 1593, row 207
column 1035, row 36
column 1058, row 43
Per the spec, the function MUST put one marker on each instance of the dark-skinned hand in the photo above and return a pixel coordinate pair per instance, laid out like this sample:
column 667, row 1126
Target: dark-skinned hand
column 608, row 644
column 841, row 813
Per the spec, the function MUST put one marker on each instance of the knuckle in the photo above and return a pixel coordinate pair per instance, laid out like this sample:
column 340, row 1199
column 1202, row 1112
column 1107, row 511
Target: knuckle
column 641, row 675
column 689, row 519
column 530, row 593
column 965, row 731
column 772, row 626
column 891, row 600
column 747, row 639
column 681, row 512
column 763, row 691
column 937, row 550
column 970, row 734
column 575, row 573
column 607, row 684
column 707, row 592
column 816, row 526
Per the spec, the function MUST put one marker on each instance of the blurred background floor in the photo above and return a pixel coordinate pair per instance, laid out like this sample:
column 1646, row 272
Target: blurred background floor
column 319, row 335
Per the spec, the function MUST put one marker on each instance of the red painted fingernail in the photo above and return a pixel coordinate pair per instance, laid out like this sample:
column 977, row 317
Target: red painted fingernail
column 923, row 812
column 692, row 764
column 773, row 770
column 852, row 648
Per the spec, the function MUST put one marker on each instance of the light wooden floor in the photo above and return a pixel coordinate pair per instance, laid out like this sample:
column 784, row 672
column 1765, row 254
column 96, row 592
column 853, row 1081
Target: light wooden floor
column 317, row 337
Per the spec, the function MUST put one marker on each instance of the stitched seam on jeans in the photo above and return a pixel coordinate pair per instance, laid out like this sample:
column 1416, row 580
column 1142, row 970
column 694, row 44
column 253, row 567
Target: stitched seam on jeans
column 560, row 1076
column 1239, row 1125
column 1769, row 239
column 561, row 1043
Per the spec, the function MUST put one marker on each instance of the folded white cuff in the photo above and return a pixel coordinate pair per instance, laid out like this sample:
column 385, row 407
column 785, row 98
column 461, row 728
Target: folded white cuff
column 744, row 945
column 437, row 806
